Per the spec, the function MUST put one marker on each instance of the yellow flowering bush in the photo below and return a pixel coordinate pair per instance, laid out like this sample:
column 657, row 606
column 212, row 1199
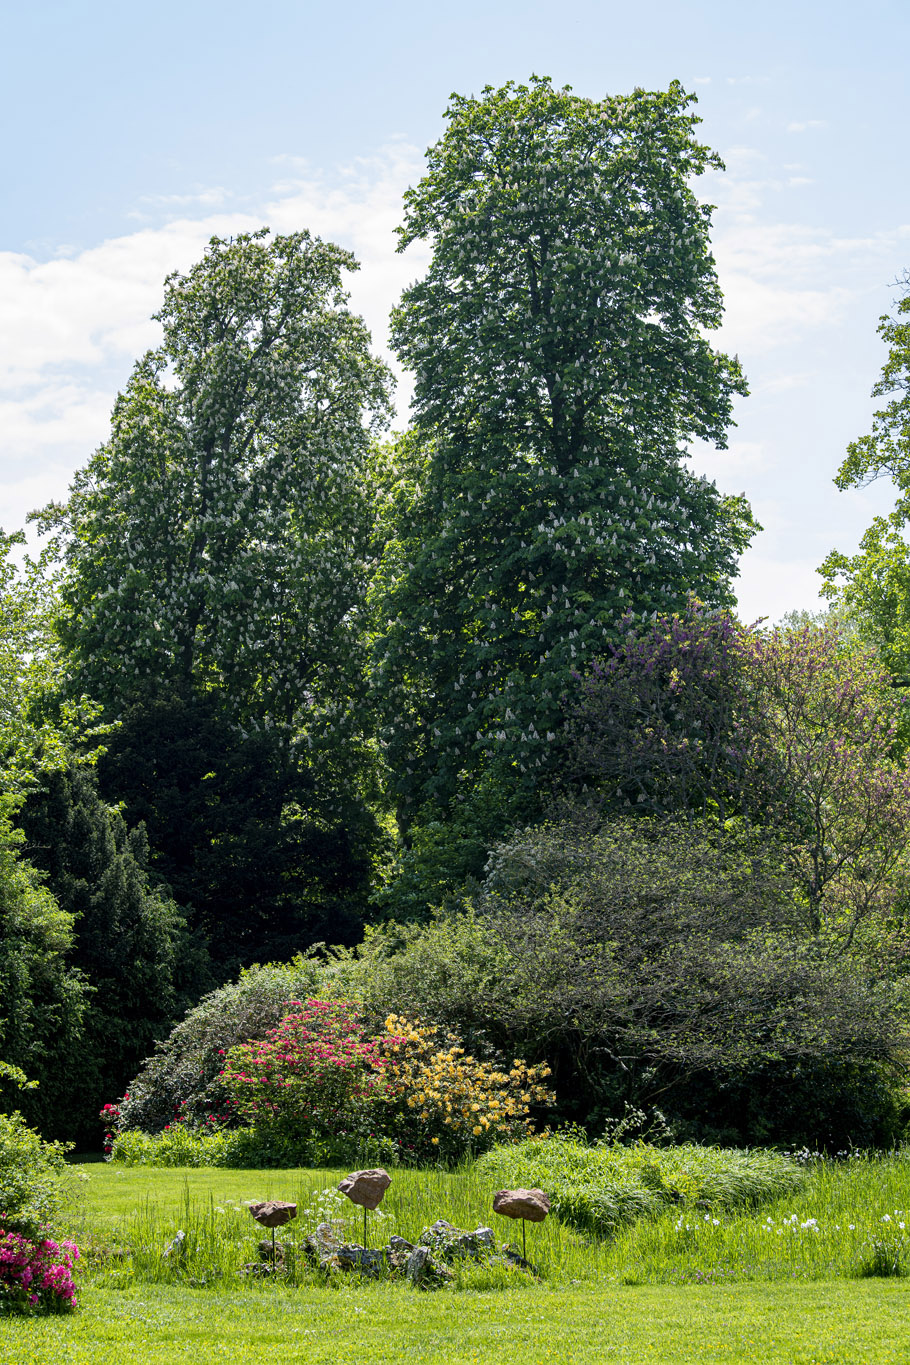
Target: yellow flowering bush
column 443, row 1101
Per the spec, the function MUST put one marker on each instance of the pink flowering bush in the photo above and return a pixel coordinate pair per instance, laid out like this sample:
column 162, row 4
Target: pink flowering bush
column 111, row 1118
column 312, row 1077
column 36, row 1276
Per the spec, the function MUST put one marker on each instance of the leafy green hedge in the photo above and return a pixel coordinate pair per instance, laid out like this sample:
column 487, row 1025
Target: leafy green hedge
column 602, row 1188
column 246, row 1149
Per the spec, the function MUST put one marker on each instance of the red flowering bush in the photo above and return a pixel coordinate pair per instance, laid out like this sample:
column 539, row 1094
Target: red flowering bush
column 313, row 1076
column 36, row 1275
column 111, row 1118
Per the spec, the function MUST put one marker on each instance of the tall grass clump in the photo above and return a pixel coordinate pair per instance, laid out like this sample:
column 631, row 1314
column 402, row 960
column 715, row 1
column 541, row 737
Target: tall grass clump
column 602, row 1188
column 208, row 1242
column 847, row 1219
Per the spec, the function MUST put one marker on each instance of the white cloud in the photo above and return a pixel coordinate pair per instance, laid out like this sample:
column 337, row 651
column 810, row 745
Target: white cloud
column 726, row 466
column 784, row 280
column 20, row 496
column 214, row 197
column 771, row 587
column 762, row 315
column 51, row 415
column 809, row 123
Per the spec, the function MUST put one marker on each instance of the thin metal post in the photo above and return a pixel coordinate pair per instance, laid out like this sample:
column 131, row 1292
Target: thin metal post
column 524, row 1246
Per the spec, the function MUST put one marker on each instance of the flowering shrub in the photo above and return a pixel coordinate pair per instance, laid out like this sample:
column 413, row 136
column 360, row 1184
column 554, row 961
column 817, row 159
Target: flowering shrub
column 185, row 1070
column 318, row 1090
column 113, row 1122
column 36, row 1275
column 311, row 1077
column 441, row 1100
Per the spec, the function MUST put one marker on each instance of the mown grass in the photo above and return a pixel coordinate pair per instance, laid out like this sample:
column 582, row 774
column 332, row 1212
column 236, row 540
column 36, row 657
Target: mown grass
column 840, row 1323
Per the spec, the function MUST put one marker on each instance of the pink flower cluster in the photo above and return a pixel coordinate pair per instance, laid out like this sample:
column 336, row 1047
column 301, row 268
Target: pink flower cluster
column 316, row 1064
column 37, row 1274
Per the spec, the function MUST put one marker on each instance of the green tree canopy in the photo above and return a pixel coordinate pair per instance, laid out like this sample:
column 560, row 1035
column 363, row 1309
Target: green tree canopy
column 39, row 728
column 792, row 729
column 655, row 963
column 561, row 366
column 214, row 561
column 873, row 586
column 265, row 858
column 42, row 997
column 218, row 537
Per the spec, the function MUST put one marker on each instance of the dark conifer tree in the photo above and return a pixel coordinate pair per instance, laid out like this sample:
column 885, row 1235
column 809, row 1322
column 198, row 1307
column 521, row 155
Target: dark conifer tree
column 128, row 939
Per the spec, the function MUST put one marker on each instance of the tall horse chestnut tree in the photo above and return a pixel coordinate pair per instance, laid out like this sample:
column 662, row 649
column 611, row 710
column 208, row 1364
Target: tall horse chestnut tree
column 218, row 539
column 215, row 556
column 561, row 363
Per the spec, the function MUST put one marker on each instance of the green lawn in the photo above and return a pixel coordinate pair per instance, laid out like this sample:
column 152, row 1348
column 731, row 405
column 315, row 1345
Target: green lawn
column 109, row 1191
column 784, row 1308
column 801, row 1324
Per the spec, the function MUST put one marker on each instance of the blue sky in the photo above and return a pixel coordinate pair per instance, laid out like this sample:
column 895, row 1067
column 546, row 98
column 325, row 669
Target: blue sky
column 133, row 133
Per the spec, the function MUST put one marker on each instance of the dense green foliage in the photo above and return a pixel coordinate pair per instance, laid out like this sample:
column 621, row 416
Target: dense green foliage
column 796, row 730
column 273, row 679
column 561, row 367
column 643, row 959
column 215, row 555
column 39, row 726
column 218, row 536
column 873, row 586
column 34, row 1180
column 42, row 997
column 182, row 1075
column 181, row 1147
column 264, row 857
column 128, row 940
column 330, row 1082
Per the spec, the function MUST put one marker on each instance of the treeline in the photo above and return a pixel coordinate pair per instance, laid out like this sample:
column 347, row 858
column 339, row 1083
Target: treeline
column 477, row 686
